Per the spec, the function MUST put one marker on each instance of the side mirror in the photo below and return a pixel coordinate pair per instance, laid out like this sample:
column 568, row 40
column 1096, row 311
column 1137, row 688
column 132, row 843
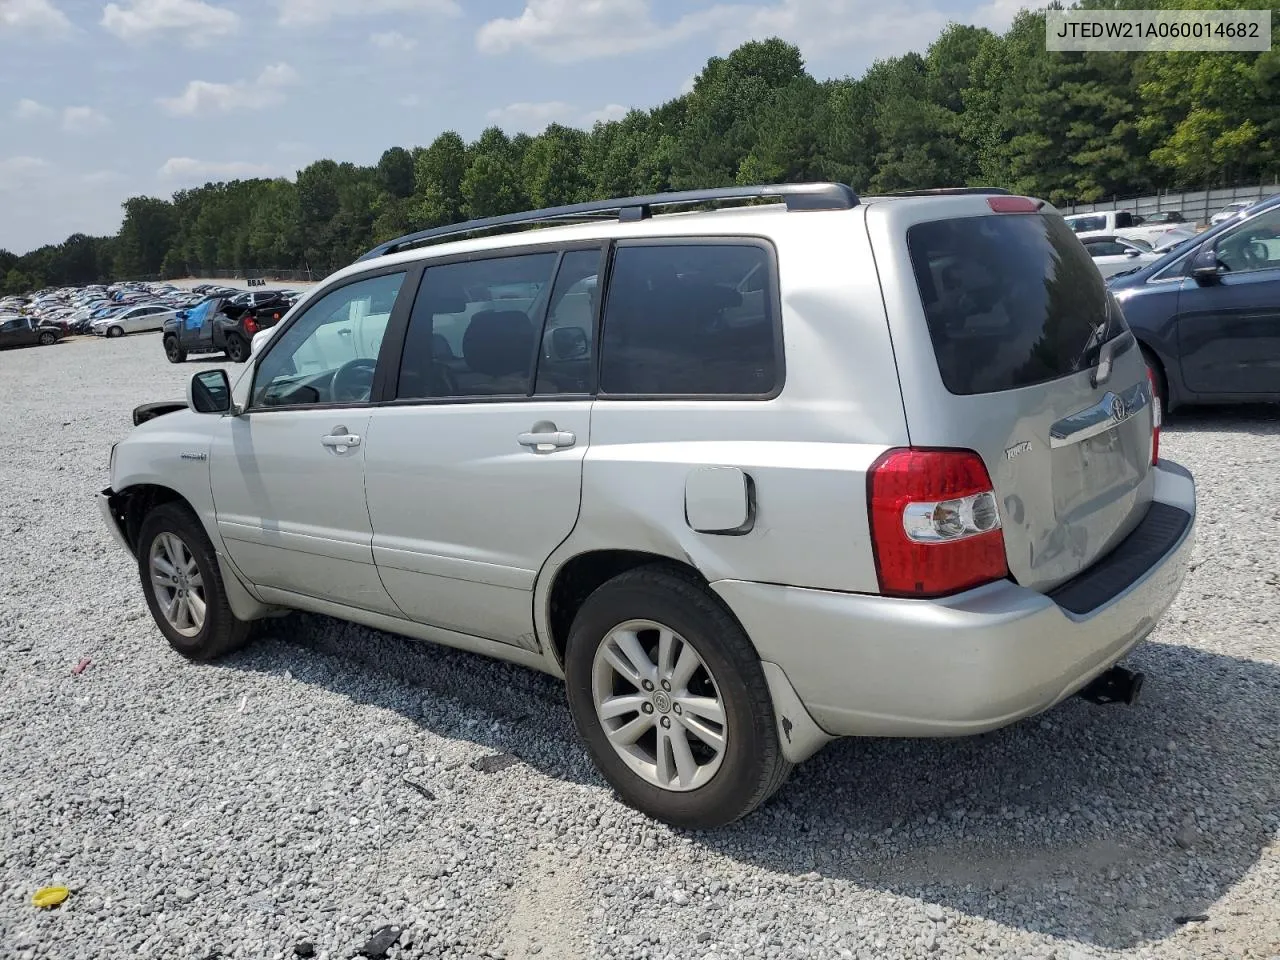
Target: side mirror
column 569, row 343
column 1130, row 252
column 259, row 340
column 209, row 392
column 1205, row 266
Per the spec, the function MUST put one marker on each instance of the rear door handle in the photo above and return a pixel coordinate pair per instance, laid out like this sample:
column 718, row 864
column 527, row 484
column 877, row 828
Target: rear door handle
column 547, row 441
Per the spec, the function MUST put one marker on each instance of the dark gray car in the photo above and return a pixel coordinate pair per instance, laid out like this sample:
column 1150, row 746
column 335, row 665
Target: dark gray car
column 26, row 332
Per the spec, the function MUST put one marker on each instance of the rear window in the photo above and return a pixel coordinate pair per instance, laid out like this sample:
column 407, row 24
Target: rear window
column 1011, row 301
column 1086, row 224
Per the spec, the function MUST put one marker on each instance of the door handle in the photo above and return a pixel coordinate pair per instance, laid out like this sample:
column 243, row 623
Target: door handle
column 341, row 443
column 546, row 441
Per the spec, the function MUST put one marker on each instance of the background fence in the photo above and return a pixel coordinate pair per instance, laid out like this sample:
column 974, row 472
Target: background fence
column 1196, row 206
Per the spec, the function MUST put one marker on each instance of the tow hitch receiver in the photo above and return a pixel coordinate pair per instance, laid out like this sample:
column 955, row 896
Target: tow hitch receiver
column 1117, row 685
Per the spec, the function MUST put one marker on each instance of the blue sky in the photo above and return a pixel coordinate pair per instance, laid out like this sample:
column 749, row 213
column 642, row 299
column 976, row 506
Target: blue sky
column 102, row 101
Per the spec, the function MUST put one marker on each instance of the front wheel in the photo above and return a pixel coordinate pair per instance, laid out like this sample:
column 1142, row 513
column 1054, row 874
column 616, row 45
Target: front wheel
column 115, row 332
column 237, row 349
column 47, row 339
column 183, row 585
column 173, row 351
column 668, row 693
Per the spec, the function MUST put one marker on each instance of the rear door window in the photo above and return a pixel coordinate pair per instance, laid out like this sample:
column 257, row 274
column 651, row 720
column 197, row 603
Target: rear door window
column 1010, row 301
column 694, row 319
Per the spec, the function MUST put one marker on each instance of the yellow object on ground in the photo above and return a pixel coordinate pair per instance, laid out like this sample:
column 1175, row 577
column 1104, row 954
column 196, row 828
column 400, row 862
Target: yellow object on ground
column 47, row 897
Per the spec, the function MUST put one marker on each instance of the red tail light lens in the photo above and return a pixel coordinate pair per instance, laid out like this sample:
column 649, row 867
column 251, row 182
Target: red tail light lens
column 935, row 523
column 1001, row 204
column 1157, row 416
column 250, row 325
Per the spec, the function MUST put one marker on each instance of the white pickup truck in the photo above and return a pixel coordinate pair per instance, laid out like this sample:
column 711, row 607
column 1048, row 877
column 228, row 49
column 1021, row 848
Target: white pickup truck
column 1118, row 223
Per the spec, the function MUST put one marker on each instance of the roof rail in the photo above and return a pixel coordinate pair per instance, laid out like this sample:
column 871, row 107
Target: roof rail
column 948, row 191
column 797, row 196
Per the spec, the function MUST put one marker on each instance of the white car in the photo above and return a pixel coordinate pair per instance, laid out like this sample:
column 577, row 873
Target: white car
column 1116, row 223
column 1111, row 255
column 747, row 479
column 1230, row 211
column 136, row 320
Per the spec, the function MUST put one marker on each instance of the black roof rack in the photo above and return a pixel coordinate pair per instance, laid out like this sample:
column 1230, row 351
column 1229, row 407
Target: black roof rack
column 948, row 191
column 797, row 196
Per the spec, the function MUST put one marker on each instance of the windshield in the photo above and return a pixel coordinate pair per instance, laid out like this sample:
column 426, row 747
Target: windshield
column 1011, row 301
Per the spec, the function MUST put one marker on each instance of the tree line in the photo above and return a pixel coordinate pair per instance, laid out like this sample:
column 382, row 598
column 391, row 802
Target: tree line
column 976, row 108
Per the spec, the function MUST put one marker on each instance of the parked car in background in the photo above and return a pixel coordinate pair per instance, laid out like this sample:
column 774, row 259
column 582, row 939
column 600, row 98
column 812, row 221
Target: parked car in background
column 134, row 320
column 218, row 325
column 1116, row 223
column 1113, row 254
column 748, row 479
column 1168, row 217
column 1207, row 313
column 1230, row 211
column 27, row 332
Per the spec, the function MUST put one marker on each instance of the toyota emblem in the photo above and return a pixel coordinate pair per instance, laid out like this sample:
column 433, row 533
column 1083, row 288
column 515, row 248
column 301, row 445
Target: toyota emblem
column 1118, row 409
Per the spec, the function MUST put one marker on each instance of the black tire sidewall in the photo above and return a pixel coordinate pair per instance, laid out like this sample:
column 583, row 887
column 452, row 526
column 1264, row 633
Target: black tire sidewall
column 750, row 723
column 172, row 351
column 236, row 348
column 47, row 339
column 115, row 332
column 168, row 518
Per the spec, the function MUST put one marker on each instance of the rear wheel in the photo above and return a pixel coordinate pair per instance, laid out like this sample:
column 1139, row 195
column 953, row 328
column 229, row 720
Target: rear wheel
column 47, row 338
column 668, row 693
column 173, row 351
column 115, row 332
column 183, row 585
column 237, row 348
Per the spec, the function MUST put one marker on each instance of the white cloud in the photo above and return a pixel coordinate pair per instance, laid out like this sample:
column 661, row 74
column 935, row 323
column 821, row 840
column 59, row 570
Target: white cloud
column 190, row 170
column 614, row 111
column 527, row 117
column 531, row 116
column 143, row 20
column 100, row 178
column 204, row 97
column 37, row 16
column 566, row 31
column 393, row 41
column 83, row 120
column 409, row 101
column 298, row 12
column 18, row 171
column 998, row 15
column 31, row 110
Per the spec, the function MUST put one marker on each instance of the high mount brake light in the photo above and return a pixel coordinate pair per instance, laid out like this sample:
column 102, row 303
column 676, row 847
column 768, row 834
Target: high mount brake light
column 1012, row 205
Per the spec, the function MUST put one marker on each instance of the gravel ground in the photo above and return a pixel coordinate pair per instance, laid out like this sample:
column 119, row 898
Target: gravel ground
column 242, row 808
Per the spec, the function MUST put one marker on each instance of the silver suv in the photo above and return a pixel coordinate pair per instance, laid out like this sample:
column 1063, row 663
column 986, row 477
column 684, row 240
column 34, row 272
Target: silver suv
column 747, row 478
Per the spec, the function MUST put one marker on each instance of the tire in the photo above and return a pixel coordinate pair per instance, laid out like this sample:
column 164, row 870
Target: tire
column 173, row 350
column 47, row 339
column 115, row 332
column 750, row 767
column 174, row 534
column 237, row 349
column 1162, row 384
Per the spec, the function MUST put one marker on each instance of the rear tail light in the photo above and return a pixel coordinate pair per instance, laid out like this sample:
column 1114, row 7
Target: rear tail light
column 935, row 523
column 1157, row 416
column 250, row 325
column 1012, row 204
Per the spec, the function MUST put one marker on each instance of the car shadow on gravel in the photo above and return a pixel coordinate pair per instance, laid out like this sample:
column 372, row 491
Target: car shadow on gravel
column 1259, row 419
column 1105, row 825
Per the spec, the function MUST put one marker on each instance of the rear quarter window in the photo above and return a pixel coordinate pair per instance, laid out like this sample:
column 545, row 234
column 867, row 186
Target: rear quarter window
column 1010, row 301
column 693, row 319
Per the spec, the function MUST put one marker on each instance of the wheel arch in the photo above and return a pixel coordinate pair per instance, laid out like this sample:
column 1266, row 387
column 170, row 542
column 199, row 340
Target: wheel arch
column 134, row 502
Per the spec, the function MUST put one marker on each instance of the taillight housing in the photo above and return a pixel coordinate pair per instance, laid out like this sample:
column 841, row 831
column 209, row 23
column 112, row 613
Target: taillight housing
column 935, row 522
column 250, row 325
column 1157, row 416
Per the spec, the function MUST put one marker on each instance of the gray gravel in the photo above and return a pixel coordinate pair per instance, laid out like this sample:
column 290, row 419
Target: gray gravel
column 328, row 780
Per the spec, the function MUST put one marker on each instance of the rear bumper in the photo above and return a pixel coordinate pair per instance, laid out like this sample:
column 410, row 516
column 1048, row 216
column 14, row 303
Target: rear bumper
column 107, row 502
column 878, row 666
